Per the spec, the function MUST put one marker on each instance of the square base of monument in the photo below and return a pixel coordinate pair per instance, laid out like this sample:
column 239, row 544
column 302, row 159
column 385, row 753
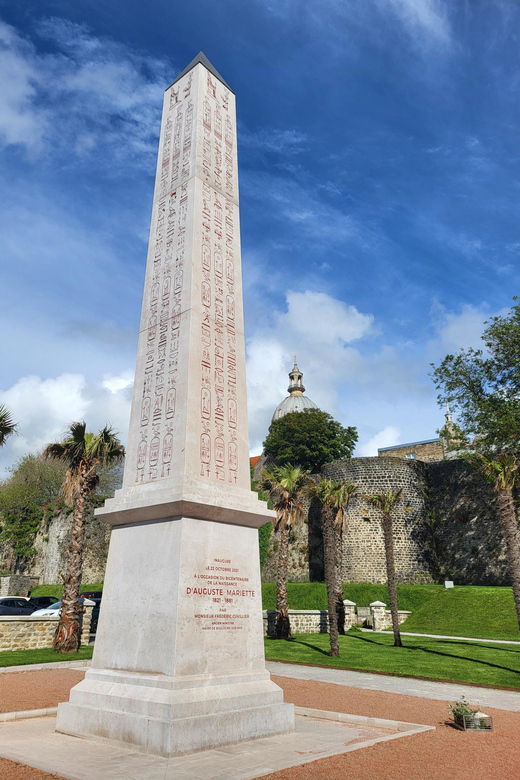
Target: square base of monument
column 156, row 716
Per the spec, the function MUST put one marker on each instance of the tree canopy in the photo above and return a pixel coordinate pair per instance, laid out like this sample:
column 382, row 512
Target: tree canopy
column 309, row 439
column 483, row 385
column 33, row 487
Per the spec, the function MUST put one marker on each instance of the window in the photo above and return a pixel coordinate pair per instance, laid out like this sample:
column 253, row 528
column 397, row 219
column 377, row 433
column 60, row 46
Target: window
column 411, row 456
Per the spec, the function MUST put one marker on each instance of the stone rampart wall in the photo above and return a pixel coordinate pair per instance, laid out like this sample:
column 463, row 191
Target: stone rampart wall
column 24, row 632
column 363, row 552
column 465, row 542
column 446, row 526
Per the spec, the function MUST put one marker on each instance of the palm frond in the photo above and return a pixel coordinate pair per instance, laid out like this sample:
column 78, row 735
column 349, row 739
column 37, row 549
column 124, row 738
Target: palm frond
column 286, row 485
column 500, row 469
column 54, row 451
column 7, row 424
column 385, row 502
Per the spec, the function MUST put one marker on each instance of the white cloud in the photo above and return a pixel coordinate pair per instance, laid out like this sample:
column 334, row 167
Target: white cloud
column 273, row 140
column 20, row 121
column 319, row 328
column 349, row 370
column 423, row 21
column 43, row 408
column 422, row 18
column 460, row 330
column 325, row 318
column 385, row 438
column 82, row 99
column 117, row 383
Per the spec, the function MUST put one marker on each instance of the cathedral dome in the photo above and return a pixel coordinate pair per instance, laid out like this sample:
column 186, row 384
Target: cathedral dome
column 296, row 401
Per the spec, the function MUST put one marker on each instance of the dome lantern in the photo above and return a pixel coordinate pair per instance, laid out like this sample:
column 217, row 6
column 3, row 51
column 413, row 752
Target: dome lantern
column 296, row 401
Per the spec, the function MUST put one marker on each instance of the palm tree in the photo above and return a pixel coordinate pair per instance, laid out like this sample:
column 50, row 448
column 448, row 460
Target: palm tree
column 502, row 470
column 333, row 497
column 339, row 499
column 285, row 485
column 7, row 424
column 386, row 503
column 83, row 453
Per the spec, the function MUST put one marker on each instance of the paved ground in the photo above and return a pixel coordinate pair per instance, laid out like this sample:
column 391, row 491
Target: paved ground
column 488, row 697
column 53, row 665
column 436, row 755
column 36, row 742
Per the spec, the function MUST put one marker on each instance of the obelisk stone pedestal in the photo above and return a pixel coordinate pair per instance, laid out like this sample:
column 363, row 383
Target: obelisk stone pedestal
column 178, row 663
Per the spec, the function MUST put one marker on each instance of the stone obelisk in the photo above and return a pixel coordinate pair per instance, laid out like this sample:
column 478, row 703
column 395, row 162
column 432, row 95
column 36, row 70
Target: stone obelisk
column 178, row 662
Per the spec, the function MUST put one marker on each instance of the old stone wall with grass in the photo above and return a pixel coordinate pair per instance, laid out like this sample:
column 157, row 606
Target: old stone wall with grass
column 50, row 550
column 446, row 526
column 298, row 561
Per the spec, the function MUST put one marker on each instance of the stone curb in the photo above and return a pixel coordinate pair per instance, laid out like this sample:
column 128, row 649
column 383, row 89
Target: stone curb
column 52, row 665
column 24, row 714
column 363, row 720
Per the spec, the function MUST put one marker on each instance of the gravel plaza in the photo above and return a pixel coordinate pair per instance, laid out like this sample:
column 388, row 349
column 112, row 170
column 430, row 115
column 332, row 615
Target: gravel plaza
column 443, row 751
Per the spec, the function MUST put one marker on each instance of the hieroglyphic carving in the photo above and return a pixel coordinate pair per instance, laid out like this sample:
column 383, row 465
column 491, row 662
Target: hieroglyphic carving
column 194, row 237
column 219, row 405
column 163, row 309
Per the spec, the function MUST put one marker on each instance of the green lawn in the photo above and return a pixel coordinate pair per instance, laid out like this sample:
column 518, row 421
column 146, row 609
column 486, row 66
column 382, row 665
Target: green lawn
column 45, row 656
column 443, row 659
column 57, row 590
column 469, row 610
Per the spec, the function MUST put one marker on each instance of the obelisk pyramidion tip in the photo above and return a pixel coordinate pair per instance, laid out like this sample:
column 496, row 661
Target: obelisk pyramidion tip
column 201, row 57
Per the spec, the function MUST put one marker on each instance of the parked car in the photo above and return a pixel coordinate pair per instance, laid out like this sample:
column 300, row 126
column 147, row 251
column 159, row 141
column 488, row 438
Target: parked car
column 54, row 608
column 43, row 601
column 16, row 605
column 92, row 594
column 50, row 611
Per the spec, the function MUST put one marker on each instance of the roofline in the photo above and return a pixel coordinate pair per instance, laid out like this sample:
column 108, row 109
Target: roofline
column 409, row 444
column 203, row 60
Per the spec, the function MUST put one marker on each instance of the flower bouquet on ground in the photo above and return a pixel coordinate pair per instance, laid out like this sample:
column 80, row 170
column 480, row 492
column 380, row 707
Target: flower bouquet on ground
column 469, row 719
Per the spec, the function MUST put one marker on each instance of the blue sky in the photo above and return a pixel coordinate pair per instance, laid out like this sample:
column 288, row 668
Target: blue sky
column 379, row 188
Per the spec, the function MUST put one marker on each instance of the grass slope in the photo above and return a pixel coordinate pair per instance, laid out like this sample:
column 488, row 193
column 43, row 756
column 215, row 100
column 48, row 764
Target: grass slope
column 313, row 595
column 471, row 610
column 44, row 656
column 497, row 665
